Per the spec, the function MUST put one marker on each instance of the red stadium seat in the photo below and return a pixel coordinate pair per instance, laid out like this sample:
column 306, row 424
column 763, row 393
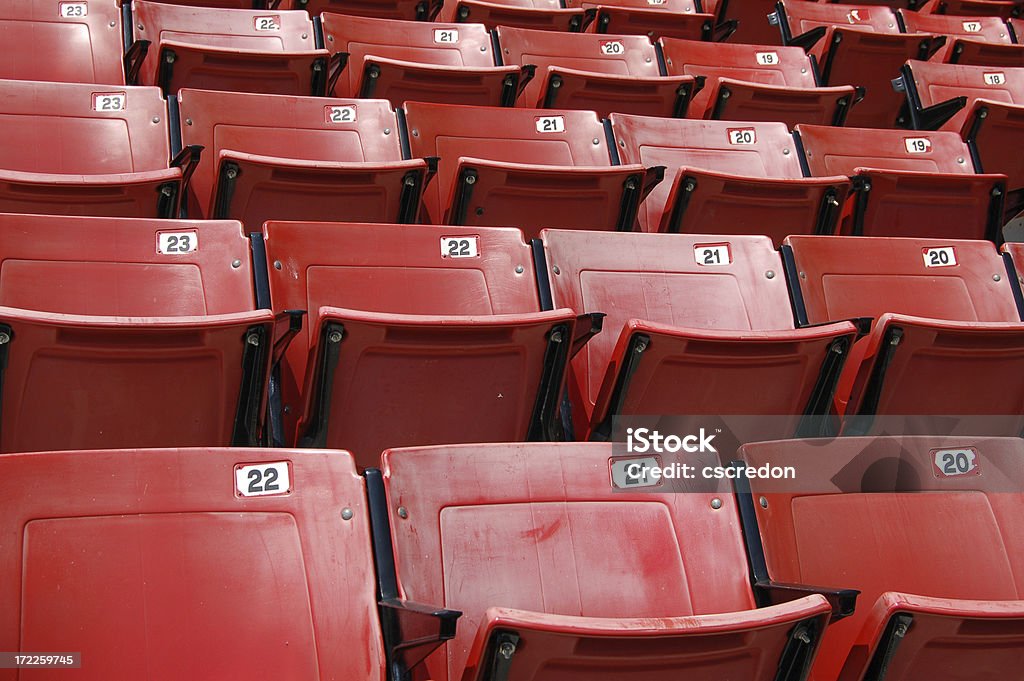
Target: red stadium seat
column 417, row 61
column 908, row 183
column 970, row 40
column 858, row 45
column 416, row 335
column 530, row 168
column 557, row 568
column 727, row 177
column 299, row 158
column 717, row 338
column 408, row 10
column 1004, row 9
column 595, row 72
column 995, row 133
column 750, row 18
column 77, row 41
column 133, row 557
column 652, row 18
column 547, row 15
column 266, row 51
column 932, row 550
column 945, row 311
column 757, row 83
column 939, row 96
column 128, row 333
column 69, row 148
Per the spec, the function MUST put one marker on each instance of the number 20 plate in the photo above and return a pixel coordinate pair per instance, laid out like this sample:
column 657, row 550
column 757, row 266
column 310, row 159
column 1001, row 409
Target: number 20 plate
column 264, row 479
column 949, row 463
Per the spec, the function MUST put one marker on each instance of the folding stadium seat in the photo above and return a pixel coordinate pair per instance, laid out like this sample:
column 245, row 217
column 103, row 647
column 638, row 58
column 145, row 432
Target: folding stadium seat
column 907, row 183
column 298, row 158
column 530, row 168
column 595, row 72
column 859, row 45
column 218, row 49
column 128, row 333
column 926, row 528
column 756, row 83
column 1004, row 9
column 970, row 40
column 1017, row 26
column 656, row 586
column 995, row 133
column 725, row 177
column 750, row 18
column 652, row 18
column 939, row 95
column 408, row 10
column 547, row 15
column 416, row 335
column 78, row 41
column 255, row 561
column 717, row 338
column 418, row 61
column 70, row 148
column 946, row 314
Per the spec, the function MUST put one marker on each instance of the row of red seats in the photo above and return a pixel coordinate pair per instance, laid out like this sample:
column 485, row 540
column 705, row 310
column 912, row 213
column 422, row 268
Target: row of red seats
column 260, row 157
column 134, row 333
column 451, row 563
column 171, row 45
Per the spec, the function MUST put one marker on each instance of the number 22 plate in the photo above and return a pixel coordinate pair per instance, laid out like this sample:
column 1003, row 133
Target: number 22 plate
column 263, row 479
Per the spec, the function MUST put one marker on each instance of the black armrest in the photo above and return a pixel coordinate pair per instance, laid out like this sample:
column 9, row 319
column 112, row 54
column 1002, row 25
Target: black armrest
column 809, row 39
column 188, row 160
column 133, row 59
column 724, row 30
column 412, row 631
column 286, row 326
column 843, row 601
column 587, row 326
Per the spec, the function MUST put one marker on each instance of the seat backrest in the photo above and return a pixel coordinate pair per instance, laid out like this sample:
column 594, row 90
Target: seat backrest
column 752, row 25
column 622, row 55
column 804, row 16
column 124, row 267
column 409, row 10
column 691, row 281
column 847, row 277
column 413, row 41
column 745, row 149
column 520, row 513
column 975, row 8
column 261, row 30
column 306, row 128
column 988, row 29
column 82, row 129
column 764, row 64
column 400, row 269
column 532, row 136
column 936, row 83
column 928, row 516
column 834, row 151
column 674, row 6
column 78, row 41
column 165, row 550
